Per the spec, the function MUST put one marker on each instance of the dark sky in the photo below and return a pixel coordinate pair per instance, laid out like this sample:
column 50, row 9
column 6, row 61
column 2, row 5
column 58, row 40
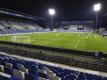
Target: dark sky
column 66, row 9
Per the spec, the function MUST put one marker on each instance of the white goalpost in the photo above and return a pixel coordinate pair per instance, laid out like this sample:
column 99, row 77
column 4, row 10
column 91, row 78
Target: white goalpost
column 21, row 39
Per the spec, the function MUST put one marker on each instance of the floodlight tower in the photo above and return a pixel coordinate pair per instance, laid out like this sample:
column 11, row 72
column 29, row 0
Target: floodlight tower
column 97, row 8
column 51, row 13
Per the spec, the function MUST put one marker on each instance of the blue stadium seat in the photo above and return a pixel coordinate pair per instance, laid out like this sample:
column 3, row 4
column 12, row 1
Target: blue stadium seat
column 30, row 77
column 35, row 71
column 8, row 70
column 4, row 78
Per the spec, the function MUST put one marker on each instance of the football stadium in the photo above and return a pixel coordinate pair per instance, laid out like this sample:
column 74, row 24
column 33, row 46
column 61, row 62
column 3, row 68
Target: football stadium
column 32, row 49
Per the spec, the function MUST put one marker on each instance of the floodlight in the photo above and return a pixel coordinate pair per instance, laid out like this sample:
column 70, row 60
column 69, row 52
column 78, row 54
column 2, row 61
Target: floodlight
column 97, row 7
column 51, row 11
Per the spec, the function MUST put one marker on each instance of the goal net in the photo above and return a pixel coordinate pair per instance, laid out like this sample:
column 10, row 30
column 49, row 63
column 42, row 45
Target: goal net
column 20, row 39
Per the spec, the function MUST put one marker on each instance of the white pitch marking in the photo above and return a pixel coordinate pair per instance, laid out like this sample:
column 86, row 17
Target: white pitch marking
column 77, row 44
column 73, row 42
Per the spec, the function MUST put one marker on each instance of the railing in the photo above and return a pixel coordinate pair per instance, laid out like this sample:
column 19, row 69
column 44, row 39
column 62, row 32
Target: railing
column 56, row 59
column 67, row 51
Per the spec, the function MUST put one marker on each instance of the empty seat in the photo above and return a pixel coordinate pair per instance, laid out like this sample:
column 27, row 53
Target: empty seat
column 8, row 65
column 34, row 67
column 24, row 70
column 30, row 77
column 19, row 74
column 42, row 75
column 20, row 66
column 42, row 71
column 3, row 78
column 1, row 68
column 28, row 70
column 54, row 77
column 48, row 71
column 40, row 78
column 8, row 70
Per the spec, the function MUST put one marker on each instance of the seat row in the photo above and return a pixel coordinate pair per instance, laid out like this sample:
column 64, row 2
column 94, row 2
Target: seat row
column 12, row 68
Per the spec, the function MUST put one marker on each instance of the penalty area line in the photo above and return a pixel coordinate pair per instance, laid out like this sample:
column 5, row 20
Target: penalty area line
column 77, row 44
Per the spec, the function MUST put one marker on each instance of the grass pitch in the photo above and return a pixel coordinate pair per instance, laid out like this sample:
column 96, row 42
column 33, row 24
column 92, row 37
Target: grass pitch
column 77, row 41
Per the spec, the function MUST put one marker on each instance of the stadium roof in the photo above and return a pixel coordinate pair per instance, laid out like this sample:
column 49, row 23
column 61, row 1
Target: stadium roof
column 19, row 14
column 77, row 22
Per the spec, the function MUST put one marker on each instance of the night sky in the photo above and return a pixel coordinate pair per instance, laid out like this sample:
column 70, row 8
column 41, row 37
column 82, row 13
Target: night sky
column 66, row 9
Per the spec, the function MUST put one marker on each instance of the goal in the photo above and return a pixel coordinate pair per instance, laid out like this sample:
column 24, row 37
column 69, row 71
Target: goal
column 20, row 39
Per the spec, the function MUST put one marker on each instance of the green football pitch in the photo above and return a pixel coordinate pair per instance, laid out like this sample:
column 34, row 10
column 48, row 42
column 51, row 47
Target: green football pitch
column 77, row 41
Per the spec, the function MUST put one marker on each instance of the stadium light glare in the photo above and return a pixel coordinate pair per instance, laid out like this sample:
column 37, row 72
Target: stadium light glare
column 97, row 7
column 51, row 11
